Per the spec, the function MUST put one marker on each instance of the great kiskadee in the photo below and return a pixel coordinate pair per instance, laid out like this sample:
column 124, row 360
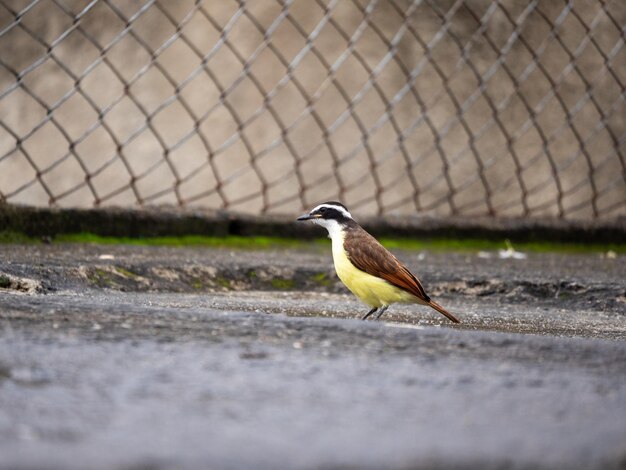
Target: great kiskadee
column 371, row 272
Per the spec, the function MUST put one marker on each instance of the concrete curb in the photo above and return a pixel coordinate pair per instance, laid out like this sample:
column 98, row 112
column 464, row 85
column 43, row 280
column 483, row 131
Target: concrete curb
column 171, row 221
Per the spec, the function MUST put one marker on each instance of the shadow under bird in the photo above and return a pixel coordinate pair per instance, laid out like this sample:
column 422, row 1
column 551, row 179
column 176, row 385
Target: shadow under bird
column 366, row 267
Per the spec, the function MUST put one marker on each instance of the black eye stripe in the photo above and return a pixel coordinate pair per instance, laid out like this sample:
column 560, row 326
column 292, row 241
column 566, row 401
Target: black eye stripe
column 333, row 211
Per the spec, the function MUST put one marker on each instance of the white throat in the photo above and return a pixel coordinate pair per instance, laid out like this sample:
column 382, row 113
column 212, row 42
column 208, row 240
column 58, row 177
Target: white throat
column 335, row 229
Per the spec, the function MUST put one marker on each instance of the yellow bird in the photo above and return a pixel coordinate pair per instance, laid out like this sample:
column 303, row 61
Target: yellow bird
column 371, row 272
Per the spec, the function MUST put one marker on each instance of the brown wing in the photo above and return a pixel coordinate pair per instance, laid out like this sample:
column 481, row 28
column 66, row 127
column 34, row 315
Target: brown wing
column 368, row 255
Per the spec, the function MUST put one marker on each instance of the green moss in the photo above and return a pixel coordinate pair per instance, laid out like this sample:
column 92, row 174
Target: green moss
column 125, row 272
column 223, row 282
column 321, row 279
column 7, row 236
column 197, row 284
column 259, row 243
column 283, row 284
column 5, row 282
column 238, row 242
column 473, row 245
column 101, row 278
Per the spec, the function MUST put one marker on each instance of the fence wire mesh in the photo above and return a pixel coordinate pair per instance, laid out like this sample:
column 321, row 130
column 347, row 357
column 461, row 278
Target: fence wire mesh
column 502, row 108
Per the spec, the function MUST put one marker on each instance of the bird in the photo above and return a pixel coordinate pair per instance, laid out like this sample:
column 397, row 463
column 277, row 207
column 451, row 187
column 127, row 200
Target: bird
column 367, row 268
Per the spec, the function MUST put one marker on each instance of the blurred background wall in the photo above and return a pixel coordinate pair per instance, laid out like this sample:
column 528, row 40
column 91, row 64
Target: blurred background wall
column 503, row 108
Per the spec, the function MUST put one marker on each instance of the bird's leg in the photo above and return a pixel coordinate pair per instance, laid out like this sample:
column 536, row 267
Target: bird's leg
column 364, row 317
column 382, row 310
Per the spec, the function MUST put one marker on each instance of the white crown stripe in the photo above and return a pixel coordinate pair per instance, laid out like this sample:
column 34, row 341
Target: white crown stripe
column 336, row 207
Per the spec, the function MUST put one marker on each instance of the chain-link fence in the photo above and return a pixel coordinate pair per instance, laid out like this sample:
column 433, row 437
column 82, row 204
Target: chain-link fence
column 440, row 107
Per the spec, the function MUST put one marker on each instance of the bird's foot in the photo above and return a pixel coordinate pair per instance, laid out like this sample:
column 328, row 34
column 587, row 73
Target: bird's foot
column 381, row 311
column 364, row 317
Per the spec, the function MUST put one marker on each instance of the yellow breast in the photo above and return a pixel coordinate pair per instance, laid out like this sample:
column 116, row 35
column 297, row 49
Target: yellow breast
column 371, row 290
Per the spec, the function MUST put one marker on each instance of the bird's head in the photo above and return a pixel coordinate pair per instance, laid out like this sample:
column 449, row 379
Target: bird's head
column 332, row 215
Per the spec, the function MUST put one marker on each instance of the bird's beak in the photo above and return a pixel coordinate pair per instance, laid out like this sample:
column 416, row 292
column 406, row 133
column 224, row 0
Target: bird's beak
column 308, row 217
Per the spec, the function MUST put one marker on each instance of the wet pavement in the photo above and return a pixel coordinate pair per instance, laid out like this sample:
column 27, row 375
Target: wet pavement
column 142, row 357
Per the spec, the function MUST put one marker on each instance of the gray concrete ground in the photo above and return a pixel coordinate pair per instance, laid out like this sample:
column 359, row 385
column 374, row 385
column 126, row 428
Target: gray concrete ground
column 138, row 357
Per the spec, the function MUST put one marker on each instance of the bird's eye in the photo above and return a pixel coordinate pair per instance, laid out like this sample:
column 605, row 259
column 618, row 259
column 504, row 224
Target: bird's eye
column 323, row 209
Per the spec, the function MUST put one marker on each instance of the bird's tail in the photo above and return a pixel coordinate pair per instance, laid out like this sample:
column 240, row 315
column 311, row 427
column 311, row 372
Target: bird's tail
column 443, row 311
